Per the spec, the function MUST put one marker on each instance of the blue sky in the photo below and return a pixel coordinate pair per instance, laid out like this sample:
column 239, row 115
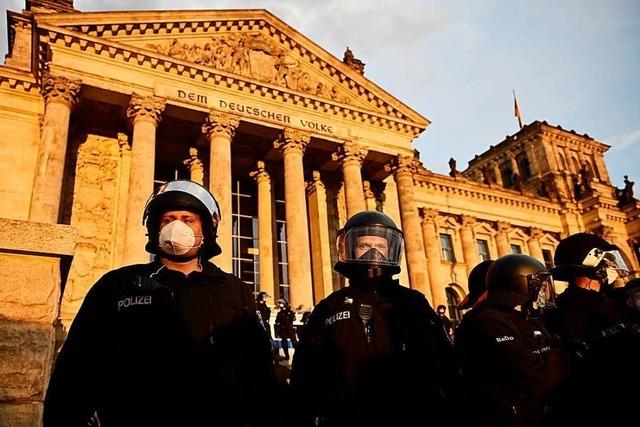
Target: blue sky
column 574, row 63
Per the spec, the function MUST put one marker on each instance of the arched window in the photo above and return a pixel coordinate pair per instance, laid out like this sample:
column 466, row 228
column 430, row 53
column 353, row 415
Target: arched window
column 576, row 165
column 563, row 163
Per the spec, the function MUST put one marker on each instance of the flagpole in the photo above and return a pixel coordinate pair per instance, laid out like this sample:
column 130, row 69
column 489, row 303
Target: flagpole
column 516, row 110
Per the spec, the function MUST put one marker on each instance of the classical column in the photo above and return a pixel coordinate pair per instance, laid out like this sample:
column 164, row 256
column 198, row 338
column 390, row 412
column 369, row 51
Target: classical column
column 292, row 143
column 502, row 238
column 514, row 164
column 196, row 168
column 369, row 196
column 437, row 281
column 60, row 95
column 403, row 168
column 145, row 113
column 124, row 182
column 391, row 207
column 535, row 250
column 220, row 129
column 497, row 173
column 351, row 156
column 320, row 242
column 469, row 246
column 265, row 228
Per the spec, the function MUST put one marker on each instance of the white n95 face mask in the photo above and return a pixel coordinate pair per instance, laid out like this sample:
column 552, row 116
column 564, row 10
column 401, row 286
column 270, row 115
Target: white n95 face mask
column 177, row 238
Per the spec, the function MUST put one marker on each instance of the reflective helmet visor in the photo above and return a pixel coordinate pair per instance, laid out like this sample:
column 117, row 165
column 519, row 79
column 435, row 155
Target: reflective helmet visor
column 611, row 259
column 542, row 291
column 191, row 188
column 370, row 245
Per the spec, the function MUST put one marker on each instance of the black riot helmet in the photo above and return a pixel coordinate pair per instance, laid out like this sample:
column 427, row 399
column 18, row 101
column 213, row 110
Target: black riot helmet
column 477, row 284
column 370, row 244
column 518, row 279
column 587, row 255
column 189, row 196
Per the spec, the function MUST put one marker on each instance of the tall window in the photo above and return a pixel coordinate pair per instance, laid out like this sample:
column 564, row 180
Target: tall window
column 548, row 258
column 446, row 243
column 507, row 178
column 516, row 249
column 283, row 261
column 483, row 249
column 524, row 166
column 245, row 232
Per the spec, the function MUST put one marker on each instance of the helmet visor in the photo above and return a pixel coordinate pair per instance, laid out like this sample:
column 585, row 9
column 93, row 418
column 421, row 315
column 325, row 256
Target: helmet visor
column 542, row 292
column 193, row 189
column 609, row 259
column 371, row 245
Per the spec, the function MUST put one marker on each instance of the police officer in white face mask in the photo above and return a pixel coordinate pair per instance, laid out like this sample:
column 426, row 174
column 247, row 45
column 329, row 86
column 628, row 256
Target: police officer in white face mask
column 172, row 342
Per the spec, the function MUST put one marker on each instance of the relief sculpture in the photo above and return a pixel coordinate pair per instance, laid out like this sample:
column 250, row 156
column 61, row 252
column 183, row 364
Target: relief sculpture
column 93, row 216
column 251, row 55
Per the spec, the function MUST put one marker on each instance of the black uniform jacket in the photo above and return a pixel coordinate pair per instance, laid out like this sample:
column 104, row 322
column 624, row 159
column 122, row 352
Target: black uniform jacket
column 606, row 353
column 153, row 347
column 399, row 376
column 509, row 366
column 284, row 323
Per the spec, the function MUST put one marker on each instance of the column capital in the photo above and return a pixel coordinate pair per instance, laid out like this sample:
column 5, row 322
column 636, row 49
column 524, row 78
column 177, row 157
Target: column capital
column 467, row 221
column 220, row 124
column 60, row 89
column 403, row 166
column 315, row 183
column 260, row 173
column 428, row 215
column 292, row 140
column 350, row 153
column 147, row 108
column 535, row 233
column 503, row 227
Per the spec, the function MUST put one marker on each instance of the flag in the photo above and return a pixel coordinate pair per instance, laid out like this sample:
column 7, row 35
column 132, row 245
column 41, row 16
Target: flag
column 516, row 110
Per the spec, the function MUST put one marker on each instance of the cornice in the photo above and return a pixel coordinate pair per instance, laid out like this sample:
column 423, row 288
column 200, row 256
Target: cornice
column 473, row 190
column 16, row 80
column 113, row 25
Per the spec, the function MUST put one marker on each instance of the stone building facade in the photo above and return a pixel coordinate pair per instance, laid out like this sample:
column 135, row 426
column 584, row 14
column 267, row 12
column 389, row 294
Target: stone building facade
column 99, row 108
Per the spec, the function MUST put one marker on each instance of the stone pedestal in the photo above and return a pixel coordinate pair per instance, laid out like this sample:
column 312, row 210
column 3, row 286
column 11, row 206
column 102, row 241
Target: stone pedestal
column 220, row 129
column 60, row 95
column 265, row 229
column 145, row 113
column 351, row 156
column 30, row 286
column 292, row 143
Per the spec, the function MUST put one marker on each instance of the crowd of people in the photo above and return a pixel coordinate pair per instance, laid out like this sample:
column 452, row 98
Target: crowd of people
column 180, row 342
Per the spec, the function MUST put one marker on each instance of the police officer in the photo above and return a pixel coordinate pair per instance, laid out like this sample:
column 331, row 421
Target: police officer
column 263, row 310
column 173, row 342
column 477, row 286
column 284, row 326
column 592, row 327
column 373, row 353
column 508, row 361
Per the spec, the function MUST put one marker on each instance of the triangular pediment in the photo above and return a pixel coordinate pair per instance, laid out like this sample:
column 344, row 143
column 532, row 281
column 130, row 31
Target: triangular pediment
column 253, row 44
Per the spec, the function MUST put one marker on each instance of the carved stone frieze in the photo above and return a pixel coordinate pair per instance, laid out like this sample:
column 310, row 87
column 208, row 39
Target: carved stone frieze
column 251, row 55
column 60, row 89
column 503, row 227
column 145, row 108
column 217, row 124
column 350, row 153
column 535, row 233
column 292, row 140
column 467, row 221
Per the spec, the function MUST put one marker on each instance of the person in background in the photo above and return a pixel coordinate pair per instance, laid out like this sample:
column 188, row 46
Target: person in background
column 284, row 326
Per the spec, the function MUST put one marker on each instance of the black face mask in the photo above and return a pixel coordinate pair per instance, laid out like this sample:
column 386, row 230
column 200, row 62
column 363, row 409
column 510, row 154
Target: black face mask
column 373, row 255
